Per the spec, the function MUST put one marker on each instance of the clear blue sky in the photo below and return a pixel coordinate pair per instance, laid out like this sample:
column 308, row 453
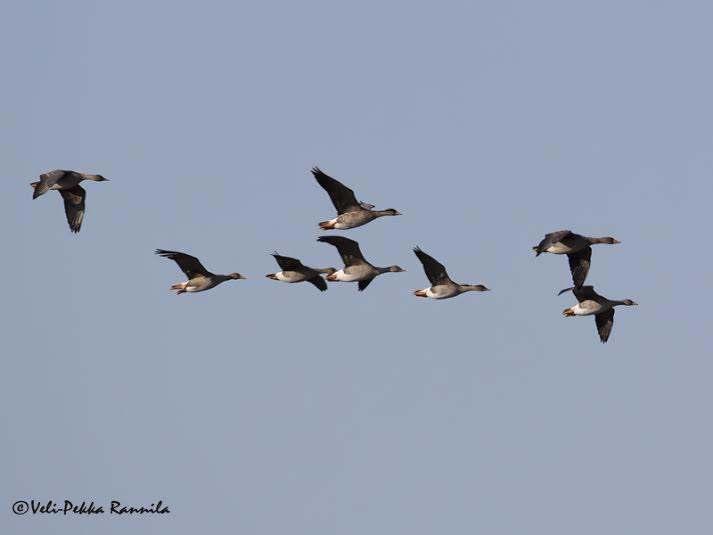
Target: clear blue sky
column 264, row 408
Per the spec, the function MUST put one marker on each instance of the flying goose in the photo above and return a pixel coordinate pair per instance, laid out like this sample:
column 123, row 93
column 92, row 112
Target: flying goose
column 356, row 268
column 442, row 287
column 591, row 303
column 577, row 248
column 199, row 278
column 350, row 212
column 294, row 271
column 67, row 183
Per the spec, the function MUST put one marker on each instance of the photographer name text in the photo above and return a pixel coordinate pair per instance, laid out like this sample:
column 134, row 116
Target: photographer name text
column 69, row 507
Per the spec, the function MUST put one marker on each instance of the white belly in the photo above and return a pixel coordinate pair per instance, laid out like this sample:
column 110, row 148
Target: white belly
column 587, row 308
column 199, row 284
column 440, row 292
column 289, row 276
column 344, row 277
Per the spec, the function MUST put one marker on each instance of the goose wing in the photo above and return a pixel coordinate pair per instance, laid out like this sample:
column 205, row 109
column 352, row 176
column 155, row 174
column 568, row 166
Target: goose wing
column 556, row 236
column 348, row 249
column 74, row 206
column 319, row 282
column 605, row 322
column 435, row 271
column 288, row 263
column 46, row 180
column 550, row 239
column 586, row 293
column 579, row 265
column 190, row 265
column 342, row 197
column 51, row 177
column 364, row 283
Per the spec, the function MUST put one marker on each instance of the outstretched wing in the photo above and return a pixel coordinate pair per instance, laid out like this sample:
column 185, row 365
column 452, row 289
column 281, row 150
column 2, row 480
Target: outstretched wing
column 51, row 177
column 46, row 180
column 550, row 239
column 74, row 206
column 190, row 265
column 605, row 322
column 579, row 265
column 364, row 283
column 342, row 197
column 558, row 235
column 435, row 271
column 348, row 249
column 287, row 263
column 585, row 293
column 319, row 282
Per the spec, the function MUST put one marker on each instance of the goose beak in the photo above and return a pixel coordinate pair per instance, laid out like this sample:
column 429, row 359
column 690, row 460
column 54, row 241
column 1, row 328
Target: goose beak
column 616, row 241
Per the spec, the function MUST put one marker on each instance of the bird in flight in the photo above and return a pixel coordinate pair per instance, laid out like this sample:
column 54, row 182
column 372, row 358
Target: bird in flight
column 199, row 278
column 350, row 212
column 67, row 183
column 591, row 303
column 356, row 268
column 577, row 248
column 295, row 271
column 442, row 287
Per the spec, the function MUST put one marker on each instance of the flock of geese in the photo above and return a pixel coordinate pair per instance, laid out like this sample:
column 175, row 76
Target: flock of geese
column 352, row 213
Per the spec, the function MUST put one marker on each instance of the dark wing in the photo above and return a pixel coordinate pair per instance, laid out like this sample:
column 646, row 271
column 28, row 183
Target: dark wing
column 551, row 238
column 348, row 249
column 558, row 235
column 363, row 284
column 319, row 282
column 53, row 176
column 46, row 180
column 585, row 293
column 435, row 271
column 74, row 206
column 342, row 197
column 190, row 265
column 287, row 263
column 605, row 322
column 579, row 265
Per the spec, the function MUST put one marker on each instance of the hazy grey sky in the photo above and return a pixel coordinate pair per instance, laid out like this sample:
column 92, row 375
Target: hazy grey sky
column 266, row 408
